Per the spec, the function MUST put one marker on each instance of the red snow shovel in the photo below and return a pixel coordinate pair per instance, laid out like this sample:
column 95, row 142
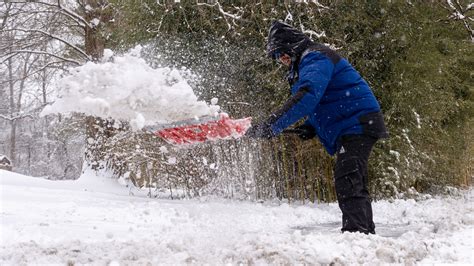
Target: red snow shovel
column 203, row 129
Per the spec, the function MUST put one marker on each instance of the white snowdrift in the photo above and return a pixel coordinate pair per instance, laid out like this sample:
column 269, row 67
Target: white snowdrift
column 94, row 221
column 127, row 88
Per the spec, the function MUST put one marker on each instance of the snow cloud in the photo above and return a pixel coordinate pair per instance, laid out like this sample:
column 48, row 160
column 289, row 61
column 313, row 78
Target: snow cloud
column 125, row 87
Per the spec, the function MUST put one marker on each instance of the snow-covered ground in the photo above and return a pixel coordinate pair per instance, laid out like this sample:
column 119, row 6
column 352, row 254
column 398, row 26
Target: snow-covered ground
column 95, row 221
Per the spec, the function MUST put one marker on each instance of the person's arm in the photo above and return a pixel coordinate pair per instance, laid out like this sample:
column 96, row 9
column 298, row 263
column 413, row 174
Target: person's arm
column 315, row 74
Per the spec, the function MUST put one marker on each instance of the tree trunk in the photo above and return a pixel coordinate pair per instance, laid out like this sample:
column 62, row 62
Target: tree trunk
column 43, row 86
column 97, row 14
column 12, row 112
column 94, row 46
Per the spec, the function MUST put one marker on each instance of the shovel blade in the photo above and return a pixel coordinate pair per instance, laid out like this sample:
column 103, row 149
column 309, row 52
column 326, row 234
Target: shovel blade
column 204, row 129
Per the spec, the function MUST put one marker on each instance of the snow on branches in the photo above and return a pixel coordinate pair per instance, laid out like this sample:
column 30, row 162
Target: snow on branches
column 459, row 12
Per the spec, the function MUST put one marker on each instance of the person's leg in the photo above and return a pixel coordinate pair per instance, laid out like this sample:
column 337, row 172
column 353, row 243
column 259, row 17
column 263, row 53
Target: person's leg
column 352, row 185
column 370, row 221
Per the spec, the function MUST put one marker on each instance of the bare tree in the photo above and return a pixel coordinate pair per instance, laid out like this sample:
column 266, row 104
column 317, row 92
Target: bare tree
column 38, row 41
column 36, row 23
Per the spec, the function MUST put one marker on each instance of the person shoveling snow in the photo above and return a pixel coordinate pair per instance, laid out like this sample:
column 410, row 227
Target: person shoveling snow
column 339, row 108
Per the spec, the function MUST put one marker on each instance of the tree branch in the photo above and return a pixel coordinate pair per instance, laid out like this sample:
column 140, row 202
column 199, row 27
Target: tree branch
column 316, row 2
column 223, row 12
column 16, row 52
column 13, row 118
column 79, row 19
column 77, row 49
column 459, row 13
column 40, row 69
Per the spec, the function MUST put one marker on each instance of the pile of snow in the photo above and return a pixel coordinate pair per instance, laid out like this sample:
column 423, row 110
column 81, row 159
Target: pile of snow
column 128, row 89
column 96, row 222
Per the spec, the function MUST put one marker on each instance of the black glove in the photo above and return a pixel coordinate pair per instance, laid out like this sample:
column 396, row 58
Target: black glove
column 262, row 130
column 305, row 132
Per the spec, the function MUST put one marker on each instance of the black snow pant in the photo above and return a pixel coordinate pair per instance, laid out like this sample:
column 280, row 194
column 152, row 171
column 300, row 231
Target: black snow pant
column 350, row 174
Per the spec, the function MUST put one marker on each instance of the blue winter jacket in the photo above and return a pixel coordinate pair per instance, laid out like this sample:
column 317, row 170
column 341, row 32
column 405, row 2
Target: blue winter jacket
column 332, row 95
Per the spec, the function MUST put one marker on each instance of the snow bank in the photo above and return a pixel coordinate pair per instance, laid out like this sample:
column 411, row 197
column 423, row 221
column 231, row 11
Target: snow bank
column 127, row 88
column 67, row 224
column 89, row 181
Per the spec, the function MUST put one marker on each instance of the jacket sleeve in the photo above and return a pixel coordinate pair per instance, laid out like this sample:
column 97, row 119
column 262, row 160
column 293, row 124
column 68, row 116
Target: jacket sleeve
column 315, row 73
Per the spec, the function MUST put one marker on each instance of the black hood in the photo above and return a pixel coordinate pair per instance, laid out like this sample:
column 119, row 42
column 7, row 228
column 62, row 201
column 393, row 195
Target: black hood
column 283, row 38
